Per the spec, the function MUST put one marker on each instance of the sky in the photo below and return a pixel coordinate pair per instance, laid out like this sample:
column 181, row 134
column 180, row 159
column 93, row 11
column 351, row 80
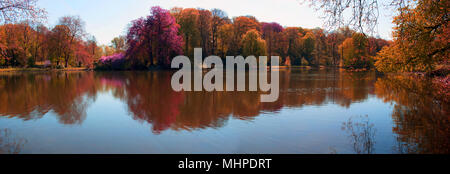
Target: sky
column 106, row 19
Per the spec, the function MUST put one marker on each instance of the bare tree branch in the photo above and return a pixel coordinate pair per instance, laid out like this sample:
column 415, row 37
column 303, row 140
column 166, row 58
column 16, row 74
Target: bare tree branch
column 12, row 11
column 361, row 15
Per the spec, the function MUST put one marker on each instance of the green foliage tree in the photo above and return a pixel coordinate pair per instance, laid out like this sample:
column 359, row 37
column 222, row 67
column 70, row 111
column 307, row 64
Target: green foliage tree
column 308, row 45
column 241, row 26
column 253, row 45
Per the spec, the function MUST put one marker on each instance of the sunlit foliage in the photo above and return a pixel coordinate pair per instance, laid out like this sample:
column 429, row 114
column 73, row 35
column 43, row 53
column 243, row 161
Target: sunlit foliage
column 253, row 45
column 354, row 52
column 421, row 38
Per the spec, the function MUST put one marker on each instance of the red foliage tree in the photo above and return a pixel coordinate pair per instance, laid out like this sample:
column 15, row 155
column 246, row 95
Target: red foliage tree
column 154, row 36
column 271, row 32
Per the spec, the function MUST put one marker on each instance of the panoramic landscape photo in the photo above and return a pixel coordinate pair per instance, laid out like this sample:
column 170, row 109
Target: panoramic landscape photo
column 224, row 77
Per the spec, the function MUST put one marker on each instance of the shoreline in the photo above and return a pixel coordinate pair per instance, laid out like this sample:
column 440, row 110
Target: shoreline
column 41, row 69
column 283, row 67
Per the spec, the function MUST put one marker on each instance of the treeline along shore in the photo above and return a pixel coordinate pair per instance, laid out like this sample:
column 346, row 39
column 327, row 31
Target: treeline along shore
column 155, row 39
column 420, row 42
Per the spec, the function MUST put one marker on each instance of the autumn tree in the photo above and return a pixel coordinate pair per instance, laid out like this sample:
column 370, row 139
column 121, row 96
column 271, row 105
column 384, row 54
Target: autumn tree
column 66, row 44
column 219, row 18
column 40, row 44
column 253, row 44
column 9, row 45
column 107, row 50
column 76, row 33
column 119, row 44
column 387, row 60
column 27, row 34
column 28, row 42
column 3, row 47
column 16, row 44
column 82, row 55
column 354, row 52
column 204, row 28
column 271, row 32
column 241, row 26
column 188, row 20
column 332, row 43
column 93, row 48
column 308, row 44
column 225, row 39
column 421, row 38
column 59, row 43
column 320, row 56
column 293, row 39
column 165, row 30
column 156, row 36
column 376, row 44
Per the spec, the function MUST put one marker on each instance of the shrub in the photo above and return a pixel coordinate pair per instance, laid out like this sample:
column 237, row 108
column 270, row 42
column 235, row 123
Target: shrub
column 113, row 62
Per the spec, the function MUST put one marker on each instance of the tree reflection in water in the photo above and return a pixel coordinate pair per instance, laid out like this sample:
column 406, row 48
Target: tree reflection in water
column 422, row 121
column 9, row 144
column 31, row 95
column 361, row 133
column 420, row 114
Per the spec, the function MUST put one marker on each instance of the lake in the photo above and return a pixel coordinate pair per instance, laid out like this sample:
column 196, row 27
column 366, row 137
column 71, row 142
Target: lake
column 318, row 111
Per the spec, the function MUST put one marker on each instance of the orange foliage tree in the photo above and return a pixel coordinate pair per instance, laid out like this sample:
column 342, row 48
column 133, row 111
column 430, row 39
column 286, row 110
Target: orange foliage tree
column 355, row 53
column 421, row 38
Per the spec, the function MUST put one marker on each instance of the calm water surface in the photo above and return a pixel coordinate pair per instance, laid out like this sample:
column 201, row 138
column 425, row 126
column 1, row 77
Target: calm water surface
column 319, row 111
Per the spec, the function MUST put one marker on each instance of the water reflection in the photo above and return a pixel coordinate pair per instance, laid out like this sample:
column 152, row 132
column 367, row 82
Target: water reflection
column 150, row 97
column 31, row 95
column 361, row 133
column 9, row 143
column 420, row 116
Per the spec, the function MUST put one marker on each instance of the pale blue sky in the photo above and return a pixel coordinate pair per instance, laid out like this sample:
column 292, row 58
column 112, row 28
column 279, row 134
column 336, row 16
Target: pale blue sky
column 106, row 19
